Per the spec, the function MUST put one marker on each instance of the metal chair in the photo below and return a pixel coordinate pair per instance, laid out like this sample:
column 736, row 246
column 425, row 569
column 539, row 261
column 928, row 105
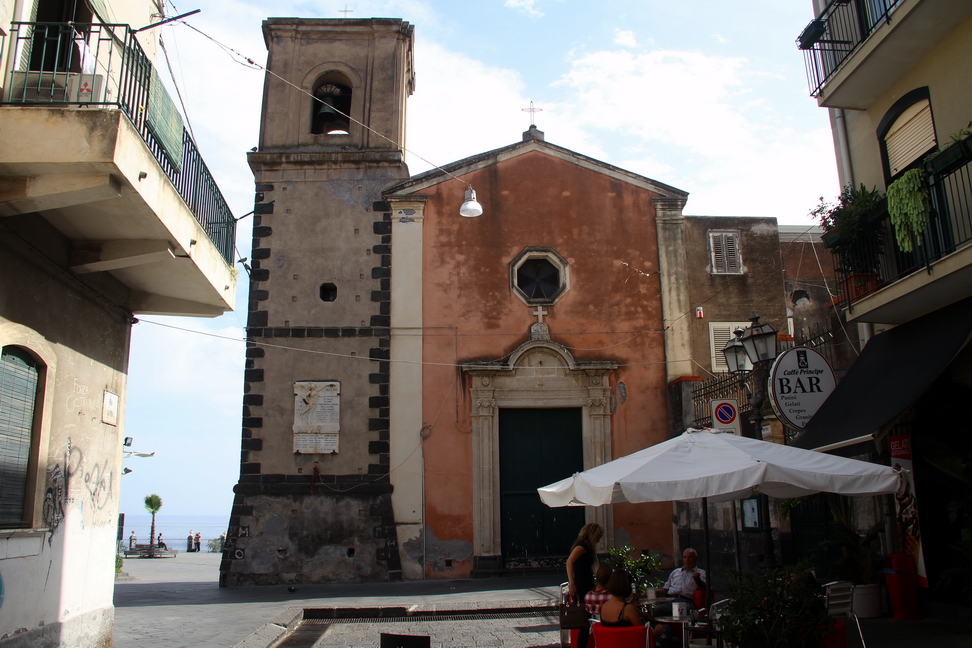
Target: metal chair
column 840, row 603
column 710, row 627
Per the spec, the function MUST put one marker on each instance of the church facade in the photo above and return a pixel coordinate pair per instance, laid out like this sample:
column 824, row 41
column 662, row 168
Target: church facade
column 413, row 375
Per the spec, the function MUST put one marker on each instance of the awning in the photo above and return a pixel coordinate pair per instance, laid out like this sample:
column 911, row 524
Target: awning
column 893, row 370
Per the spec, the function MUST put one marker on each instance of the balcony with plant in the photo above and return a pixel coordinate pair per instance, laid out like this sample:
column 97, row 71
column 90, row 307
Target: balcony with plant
column 925, row 217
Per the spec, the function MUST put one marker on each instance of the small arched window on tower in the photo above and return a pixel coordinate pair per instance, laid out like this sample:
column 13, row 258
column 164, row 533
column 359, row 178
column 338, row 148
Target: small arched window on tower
column 331, row 107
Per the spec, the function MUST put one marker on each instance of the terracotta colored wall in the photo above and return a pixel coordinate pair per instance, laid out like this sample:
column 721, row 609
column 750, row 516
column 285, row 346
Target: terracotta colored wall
column 609, row 313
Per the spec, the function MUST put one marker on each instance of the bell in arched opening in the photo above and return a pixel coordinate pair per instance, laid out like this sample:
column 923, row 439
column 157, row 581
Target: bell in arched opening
column 331, row 109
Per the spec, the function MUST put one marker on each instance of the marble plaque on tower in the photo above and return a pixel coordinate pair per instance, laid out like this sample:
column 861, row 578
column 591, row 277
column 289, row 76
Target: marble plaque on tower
column 317, row 416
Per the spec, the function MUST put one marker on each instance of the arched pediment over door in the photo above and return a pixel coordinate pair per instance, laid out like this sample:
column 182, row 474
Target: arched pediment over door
column 538, row 374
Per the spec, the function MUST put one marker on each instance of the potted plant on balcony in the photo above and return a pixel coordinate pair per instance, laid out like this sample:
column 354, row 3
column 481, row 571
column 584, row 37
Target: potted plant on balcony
column 959, row 148
column 908, row 207
column 853, row 237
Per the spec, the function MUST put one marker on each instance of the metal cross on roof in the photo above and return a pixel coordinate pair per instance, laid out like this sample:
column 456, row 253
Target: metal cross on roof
column 345, row 11
column 532, row 111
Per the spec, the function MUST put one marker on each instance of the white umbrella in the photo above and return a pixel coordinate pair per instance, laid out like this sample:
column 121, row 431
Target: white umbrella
column 712, row 464
column 719, row 466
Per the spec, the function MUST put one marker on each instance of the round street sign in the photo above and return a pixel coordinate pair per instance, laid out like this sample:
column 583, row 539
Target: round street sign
column 725, row 413
column 800, row 381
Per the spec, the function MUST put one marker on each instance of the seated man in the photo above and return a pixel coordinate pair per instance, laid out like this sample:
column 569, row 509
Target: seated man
column 681, row 585
column 683, row 582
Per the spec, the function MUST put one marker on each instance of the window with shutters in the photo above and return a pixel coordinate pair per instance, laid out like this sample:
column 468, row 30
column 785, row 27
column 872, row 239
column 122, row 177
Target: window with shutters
column 18, row 394
column 907, row 133
column 724, row 252
column 911, row 136
column 719, row 334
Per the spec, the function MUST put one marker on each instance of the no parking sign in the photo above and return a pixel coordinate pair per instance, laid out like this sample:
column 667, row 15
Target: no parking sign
column 725, row 415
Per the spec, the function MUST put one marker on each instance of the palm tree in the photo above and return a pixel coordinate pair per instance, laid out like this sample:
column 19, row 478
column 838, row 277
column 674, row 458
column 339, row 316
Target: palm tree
column 152, row 504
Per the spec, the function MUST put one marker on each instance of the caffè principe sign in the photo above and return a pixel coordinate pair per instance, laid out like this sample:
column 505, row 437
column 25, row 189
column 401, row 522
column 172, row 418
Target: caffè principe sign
column 800, row 381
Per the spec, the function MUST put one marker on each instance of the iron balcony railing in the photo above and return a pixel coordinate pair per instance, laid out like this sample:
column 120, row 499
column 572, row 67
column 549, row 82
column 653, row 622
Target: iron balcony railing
column 104, row 66
column 876, row 259
column 832, row 37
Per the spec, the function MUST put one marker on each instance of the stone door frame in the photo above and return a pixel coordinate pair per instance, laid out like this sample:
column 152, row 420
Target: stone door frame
column 538, row 374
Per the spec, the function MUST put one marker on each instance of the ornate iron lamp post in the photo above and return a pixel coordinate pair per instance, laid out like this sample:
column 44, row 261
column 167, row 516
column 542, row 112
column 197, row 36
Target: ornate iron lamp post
column 752, row 351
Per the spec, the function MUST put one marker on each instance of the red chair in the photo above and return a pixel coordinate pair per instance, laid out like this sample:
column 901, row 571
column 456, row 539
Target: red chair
column 630, row 637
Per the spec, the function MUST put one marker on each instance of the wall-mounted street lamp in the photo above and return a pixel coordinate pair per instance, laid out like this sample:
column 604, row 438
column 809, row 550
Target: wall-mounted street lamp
column 752, row 351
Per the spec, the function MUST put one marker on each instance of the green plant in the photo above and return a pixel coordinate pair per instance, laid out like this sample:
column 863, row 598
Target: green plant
column 119, row 561
column 961, row 133
column 152, row 504
column 639, row 565
column 215, row 545
column 849, row 226
column 776, row 608
column 909, row 206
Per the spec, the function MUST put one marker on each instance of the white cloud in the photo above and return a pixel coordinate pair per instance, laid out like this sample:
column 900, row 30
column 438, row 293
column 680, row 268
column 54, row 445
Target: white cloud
column 699, row 119
column 526, row 6
column 625, row 38
column 461, row 107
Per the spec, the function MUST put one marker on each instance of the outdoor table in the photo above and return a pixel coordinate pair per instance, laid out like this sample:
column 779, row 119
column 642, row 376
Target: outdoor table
column 682, row 621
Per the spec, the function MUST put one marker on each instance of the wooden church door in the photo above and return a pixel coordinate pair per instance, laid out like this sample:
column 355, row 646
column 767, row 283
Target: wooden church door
column 537, row 447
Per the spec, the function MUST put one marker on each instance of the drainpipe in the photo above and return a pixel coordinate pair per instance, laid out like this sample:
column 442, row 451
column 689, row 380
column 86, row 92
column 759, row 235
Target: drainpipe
column 845, row 171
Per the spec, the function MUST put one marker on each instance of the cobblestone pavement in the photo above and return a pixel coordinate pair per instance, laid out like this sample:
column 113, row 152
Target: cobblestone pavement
column 176, row 603
column 520, row 631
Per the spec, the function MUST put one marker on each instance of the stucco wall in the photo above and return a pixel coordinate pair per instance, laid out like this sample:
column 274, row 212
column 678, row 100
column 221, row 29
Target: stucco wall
column 58, row 579
column 944, row 72
column 611, row 312
column 732, row 297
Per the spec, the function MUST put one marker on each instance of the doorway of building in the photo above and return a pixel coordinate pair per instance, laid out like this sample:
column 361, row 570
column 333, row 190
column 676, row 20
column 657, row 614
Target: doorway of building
column 537, row 447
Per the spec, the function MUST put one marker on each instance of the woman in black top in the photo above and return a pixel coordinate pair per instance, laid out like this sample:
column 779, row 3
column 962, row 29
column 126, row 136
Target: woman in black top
column 580, row 568
column 623, row 609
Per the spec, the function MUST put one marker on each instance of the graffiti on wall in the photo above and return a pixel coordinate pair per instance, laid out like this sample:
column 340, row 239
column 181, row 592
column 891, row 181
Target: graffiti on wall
column 56, row 498
column 98, row 480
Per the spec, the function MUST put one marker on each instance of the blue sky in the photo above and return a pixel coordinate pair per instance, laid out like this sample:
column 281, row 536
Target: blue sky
column 706, row 96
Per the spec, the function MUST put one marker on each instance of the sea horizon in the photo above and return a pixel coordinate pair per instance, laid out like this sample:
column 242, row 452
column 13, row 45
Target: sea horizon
column 174, row 528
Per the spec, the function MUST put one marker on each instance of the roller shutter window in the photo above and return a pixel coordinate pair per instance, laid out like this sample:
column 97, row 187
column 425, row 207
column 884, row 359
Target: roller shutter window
column 911, row 136
column 18, row 393
column 724, row 249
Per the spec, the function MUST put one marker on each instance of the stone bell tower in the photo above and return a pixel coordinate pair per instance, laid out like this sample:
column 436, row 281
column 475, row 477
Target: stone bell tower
column 314, row 499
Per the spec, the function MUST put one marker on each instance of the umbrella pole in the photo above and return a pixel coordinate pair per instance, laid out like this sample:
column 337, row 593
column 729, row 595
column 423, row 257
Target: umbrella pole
column 708, row 557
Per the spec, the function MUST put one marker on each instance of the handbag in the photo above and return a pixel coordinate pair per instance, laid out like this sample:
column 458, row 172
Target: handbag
column 573, row 615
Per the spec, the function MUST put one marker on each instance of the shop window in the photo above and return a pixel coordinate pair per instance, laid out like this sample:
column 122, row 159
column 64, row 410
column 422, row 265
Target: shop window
column 724, row 252
column 18, row 395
